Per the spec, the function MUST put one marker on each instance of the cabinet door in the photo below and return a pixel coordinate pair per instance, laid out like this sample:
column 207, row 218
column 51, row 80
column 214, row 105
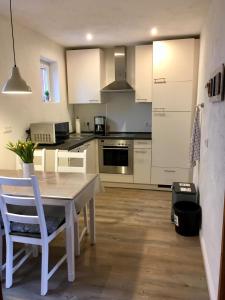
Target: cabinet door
column 169, row 175
column 143, row 73
column 84, row 75
column 171, row 133
column 91, row 157
column 90, row 147
column 173, row 60
column 173, row 96
column 142, row 166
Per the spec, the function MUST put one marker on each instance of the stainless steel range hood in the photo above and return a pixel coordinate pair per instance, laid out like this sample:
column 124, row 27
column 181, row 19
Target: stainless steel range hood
column 120, row 84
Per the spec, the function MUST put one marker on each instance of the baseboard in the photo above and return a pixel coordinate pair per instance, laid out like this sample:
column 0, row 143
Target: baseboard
column 211, row 287
column 135, row 186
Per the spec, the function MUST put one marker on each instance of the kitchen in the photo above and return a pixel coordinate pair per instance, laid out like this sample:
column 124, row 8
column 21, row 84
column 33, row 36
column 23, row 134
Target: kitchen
column 151, row 123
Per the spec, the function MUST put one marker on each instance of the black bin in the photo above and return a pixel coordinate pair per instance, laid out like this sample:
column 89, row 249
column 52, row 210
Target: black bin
column 187, row 218
column 182, row 191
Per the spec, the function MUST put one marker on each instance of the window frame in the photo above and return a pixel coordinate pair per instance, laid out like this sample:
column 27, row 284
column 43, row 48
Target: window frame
column 45, row 80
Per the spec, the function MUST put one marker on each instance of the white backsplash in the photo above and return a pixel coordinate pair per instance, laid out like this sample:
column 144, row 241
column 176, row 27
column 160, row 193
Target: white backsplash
column 122, row 113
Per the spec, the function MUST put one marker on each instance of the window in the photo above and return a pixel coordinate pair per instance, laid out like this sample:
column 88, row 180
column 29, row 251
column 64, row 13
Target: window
column 45, row 81
column 49, row 80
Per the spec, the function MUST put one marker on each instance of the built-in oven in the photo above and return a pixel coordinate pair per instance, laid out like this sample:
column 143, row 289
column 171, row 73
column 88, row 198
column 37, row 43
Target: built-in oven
column 115, row 156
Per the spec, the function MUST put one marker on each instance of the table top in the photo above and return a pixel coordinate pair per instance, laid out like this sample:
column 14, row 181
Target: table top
column 54, row 185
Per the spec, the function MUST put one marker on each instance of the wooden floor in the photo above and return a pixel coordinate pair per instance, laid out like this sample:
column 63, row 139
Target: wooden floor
column 138, row 256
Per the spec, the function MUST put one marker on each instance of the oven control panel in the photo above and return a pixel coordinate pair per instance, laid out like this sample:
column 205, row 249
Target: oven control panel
column 116, row 143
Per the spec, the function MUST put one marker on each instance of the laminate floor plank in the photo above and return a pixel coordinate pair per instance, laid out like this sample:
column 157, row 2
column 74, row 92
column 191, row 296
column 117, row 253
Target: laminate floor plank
column 138, row 256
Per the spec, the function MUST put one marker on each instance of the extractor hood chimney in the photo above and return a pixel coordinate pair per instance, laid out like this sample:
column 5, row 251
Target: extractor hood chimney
column 120, row 84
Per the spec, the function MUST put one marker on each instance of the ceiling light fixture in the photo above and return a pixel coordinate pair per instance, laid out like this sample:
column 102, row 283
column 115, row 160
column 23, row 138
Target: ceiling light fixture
column 154, row 31
column 15, row 84
column 89, row 36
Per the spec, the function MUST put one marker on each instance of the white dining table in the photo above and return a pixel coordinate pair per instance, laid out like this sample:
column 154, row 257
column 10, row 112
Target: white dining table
column 69, row 190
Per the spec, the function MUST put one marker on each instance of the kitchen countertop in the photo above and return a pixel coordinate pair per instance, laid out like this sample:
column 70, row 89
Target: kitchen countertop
column 76, row 140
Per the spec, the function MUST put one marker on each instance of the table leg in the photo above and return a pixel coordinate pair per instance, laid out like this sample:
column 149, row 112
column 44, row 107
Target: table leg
column 69, row 214
column 92, row 220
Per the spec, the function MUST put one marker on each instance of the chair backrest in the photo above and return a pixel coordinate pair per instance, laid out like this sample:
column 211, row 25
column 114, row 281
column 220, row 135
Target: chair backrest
column 15, row 199
column 39, row 160
column 68, row 156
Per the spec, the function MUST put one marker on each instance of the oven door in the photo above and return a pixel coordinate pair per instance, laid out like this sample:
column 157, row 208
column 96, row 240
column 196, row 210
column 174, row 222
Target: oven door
column 116, row 160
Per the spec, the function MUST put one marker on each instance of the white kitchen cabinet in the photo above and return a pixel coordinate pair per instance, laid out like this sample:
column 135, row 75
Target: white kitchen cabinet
column 143, row 73
column 166, row 176
column 85, row 75
column 174, row 91
column 173, row 96
column 143, row 144
column 171, row 134
column 91, row 156
column 142, row 161
column 173, row 60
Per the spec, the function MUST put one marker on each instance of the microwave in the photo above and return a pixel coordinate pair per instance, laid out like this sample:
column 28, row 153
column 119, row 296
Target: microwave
column 49, row 133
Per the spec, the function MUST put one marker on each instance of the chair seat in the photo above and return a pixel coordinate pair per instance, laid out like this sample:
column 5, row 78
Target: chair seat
column 54, row 216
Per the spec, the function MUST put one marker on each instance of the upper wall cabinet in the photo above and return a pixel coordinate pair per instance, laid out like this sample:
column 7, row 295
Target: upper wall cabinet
column 143, row 73
column 85, row 75
column 173, row 60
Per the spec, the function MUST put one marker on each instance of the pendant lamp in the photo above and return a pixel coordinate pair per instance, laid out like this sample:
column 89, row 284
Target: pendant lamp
column 15, row 84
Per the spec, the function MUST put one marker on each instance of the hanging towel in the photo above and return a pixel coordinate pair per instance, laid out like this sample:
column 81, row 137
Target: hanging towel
column 195, row 139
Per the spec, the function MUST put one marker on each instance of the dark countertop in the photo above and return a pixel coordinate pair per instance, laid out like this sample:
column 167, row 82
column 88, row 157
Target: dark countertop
column 76, row 140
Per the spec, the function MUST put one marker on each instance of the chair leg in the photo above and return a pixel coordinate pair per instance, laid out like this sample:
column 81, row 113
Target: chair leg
column 77, row 237
column 85, row 212
column 9, row 263
column 44, row 270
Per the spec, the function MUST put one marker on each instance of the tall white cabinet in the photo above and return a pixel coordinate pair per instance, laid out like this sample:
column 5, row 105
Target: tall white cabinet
column 174, row 96
column 143, row 73
column 85, row 75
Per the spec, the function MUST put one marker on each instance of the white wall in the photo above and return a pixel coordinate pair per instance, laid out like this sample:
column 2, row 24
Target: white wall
column 16, row 111
column 212, row 165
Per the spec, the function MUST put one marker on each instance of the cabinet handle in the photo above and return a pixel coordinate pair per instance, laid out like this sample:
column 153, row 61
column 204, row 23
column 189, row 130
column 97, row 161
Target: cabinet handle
column 140, row 151
column 159, row 108
column 141, row 143
column 159, row 113
column 159, row 80
column 170, row 171
column 94, row 101
column 143, row 100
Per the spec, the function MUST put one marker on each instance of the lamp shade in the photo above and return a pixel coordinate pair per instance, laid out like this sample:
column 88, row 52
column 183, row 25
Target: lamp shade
column 16, row 84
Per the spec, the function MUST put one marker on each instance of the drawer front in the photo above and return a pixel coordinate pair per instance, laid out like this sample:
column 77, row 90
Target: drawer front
column 169, row 175
column 142, row 144
column 142, row 166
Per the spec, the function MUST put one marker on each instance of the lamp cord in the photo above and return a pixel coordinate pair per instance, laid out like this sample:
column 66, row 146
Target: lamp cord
column 11, row 19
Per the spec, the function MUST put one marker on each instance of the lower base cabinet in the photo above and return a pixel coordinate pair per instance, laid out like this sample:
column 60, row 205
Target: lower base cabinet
column 142, row 162
column 166, row 176
column 90, row 147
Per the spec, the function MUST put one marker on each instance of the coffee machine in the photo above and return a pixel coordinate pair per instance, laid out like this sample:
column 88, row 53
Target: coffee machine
column 100, row 125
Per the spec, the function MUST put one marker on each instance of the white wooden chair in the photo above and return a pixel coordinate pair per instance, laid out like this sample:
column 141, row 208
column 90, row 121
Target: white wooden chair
column 29, row 226
column 39, row 160
column 66, row 156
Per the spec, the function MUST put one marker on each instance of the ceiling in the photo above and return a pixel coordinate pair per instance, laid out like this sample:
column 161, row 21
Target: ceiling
column 111, row 22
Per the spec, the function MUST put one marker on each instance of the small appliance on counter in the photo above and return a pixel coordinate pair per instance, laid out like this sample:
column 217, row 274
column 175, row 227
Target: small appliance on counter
column 100, row 125
column 49, row 133
column 77, row 125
